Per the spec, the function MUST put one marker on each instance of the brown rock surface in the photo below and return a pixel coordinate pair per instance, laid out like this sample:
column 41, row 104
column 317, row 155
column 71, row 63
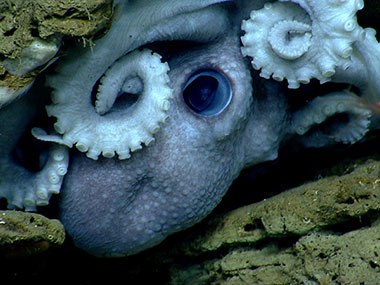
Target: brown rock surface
column 24, row 21
column 23, row 234
column 323, row 232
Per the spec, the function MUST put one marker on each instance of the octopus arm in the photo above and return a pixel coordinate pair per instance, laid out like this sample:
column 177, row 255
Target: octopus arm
column 97, row 130
column 301, row 40
column 22, row 187
column 310, row 122
column 120, row 71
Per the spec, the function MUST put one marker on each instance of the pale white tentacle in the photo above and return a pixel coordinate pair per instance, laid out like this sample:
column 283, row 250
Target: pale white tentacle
column 324, row 107
column 302, row 41
column 290, row 39
column 107, row 129
column 27, row 190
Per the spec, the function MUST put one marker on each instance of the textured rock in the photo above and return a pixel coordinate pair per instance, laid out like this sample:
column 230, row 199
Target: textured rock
column 23, row 22
column 23, row 234
column 322, row 232
column 324, row 202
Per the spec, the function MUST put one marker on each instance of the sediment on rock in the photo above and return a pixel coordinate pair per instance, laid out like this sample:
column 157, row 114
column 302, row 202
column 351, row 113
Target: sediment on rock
column 23, row 234
column 323, row 231
column 24, row 23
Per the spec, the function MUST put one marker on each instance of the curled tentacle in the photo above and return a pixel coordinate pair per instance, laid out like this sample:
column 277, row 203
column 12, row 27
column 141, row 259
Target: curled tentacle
column 348, row 130
column 301, row 42
column 49, row 180
column 26, row 190
column 290, row 39
column 92, row 128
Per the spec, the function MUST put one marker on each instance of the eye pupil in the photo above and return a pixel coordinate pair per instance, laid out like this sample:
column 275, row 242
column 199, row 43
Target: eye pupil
column 200, row 93
column 207, row 92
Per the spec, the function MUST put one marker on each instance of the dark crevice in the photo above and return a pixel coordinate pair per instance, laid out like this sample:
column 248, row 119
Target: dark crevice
column 34, row 32
column 256, row 224
column 374, row 264
column 281, row 243
column 332, row 127
column 95, row 90
column 348, row 201
column 9, row 32
column 3, row 204
column 70, row 12
column 271, row 178
column 123, row 100
column 353, row 223
column 173, row 49
column 366, row 19
column 30, row 153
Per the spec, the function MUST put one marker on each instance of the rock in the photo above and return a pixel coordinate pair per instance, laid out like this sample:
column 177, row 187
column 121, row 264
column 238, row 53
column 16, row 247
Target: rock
column 23, row 234
column 27, row 26
column 323, row 232
column 27, row 20
column 38, row 53
column 327, row 201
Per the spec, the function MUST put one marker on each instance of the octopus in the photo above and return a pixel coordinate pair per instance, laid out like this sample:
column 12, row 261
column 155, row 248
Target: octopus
column 142, row 134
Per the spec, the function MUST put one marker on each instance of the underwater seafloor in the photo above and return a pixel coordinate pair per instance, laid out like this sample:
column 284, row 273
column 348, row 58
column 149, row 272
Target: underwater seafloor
column 311, row 217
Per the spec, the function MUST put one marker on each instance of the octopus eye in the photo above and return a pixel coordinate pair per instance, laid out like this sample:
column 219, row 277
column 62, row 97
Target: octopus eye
column 207, row 92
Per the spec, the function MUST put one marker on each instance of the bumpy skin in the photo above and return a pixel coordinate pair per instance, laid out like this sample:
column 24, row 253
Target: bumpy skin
column 114, row 207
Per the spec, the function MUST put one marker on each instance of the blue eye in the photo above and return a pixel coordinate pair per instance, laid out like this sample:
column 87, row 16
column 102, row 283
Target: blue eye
column 207, row 92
